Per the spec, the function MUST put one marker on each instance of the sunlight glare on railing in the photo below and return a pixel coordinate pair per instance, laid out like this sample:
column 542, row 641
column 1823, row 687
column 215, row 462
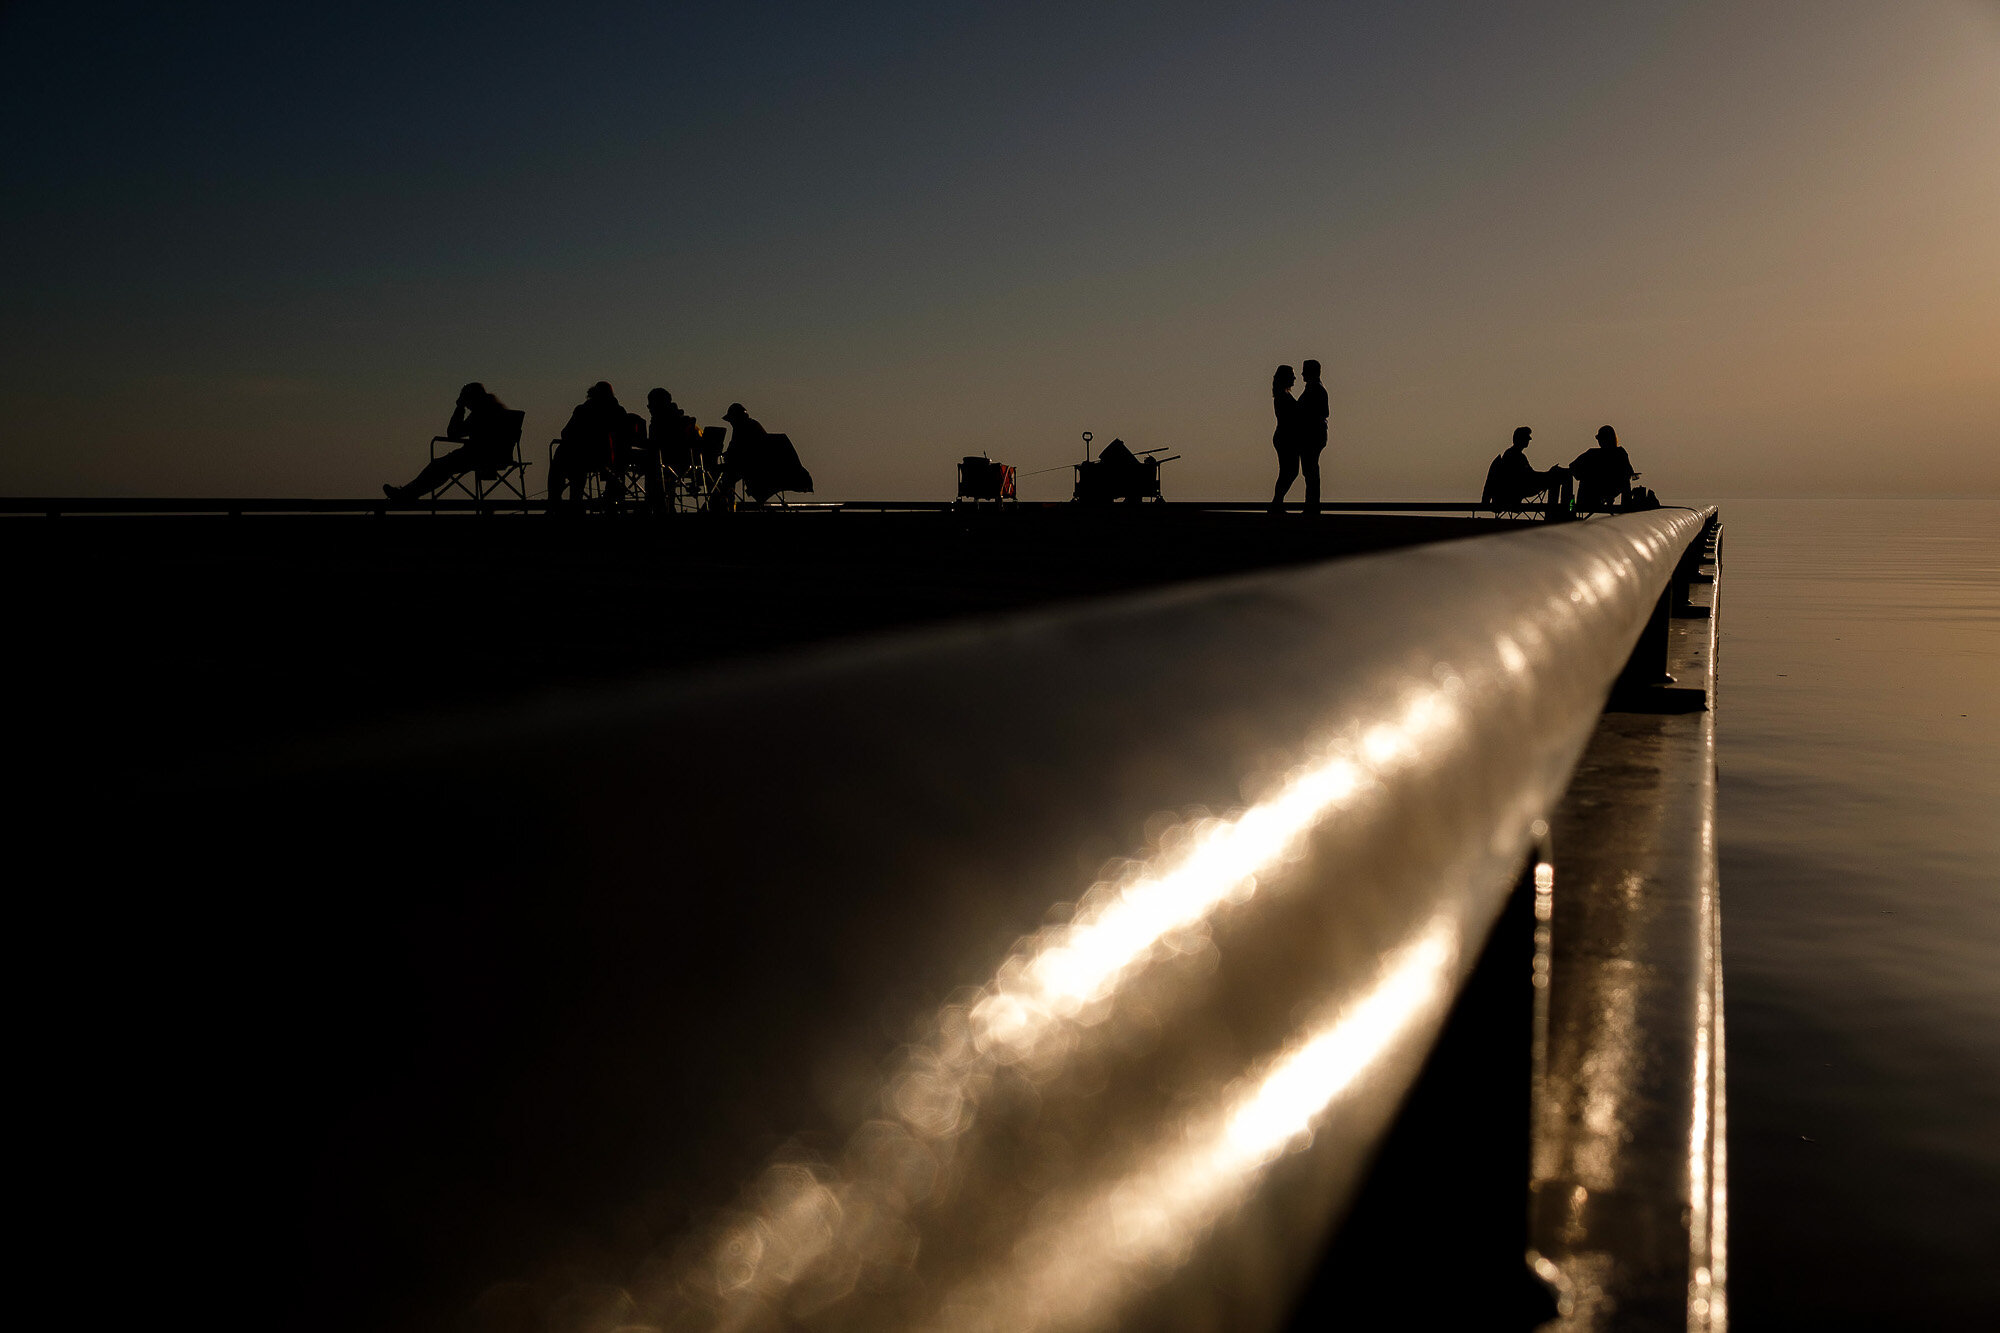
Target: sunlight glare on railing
column 1065, row 977
column 1068, row 1271
column 1219, row 863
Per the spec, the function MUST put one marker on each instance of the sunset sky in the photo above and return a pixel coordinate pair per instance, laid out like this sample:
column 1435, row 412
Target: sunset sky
column 255, row 250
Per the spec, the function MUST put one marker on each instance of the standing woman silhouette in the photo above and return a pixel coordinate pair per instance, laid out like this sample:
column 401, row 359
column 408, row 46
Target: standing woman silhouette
column 1285, row 439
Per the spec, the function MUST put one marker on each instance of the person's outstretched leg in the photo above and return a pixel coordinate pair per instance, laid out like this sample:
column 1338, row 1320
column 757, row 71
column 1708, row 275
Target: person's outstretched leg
column 1288, row 471
column 1309, row 464
column 435, row 474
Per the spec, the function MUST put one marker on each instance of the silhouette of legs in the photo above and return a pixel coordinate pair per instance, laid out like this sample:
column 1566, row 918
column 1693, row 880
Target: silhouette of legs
column 1309, row 465
column 568, row 471
column 722, row 494
column 1288, row 471
column 651, row 486
column 1562, row 500
column 561, row 477
column 437, row 472
column 655, row 486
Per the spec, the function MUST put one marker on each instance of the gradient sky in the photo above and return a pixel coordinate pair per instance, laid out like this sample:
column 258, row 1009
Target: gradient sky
column 255, row 250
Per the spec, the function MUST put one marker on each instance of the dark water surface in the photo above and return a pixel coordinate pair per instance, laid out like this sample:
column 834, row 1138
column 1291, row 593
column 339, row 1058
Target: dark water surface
column 1860, row 840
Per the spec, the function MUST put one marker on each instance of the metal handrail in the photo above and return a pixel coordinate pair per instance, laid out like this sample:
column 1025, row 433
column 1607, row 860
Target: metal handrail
column 1317, row 787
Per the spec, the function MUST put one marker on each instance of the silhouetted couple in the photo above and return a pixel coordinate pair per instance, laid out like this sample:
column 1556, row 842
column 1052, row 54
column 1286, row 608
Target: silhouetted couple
column 1300, row 435
column 1601, row 476
column 485, row 432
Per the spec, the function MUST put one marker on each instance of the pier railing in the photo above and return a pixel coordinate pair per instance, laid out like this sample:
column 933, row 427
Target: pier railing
column 1075, row 964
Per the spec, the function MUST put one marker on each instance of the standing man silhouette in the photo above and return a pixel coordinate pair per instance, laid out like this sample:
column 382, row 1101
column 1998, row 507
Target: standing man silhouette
column 1312, row 414
column 1285, row 439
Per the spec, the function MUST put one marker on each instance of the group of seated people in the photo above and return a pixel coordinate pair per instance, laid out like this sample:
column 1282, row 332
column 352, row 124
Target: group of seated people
column 1599, row 478
column 668, row 453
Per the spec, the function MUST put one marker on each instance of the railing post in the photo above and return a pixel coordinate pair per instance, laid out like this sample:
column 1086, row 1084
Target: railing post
column 1687, row 572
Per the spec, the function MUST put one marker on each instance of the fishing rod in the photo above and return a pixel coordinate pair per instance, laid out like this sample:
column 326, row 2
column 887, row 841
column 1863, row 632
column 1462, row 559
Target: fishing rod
column 1060, row 466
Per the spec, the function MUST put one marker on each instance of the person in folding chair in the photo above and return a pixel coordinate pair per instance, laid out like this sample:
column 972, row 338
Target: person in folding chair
column 671, row 432
column 1604, row 474
column 588, row 445
column 764, row 461
column 1513, row 485
column 634, row 457
column 673, row 439
column 485, row 427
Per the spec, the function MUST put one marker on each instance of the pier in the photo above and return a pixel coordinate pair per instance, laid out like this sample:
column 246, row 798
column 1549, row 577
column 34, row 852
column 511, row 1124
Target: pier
column 888, row 916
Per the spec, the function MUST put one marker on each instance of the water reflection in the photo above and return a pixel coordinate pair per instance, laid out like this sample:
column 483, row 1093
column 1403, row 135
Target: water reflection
column 1860, row 775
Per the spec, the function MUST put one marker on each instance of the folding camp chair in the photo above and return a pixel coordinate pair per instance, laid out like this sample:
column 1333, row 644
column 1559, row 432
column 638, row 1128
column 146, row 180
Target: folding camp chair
column 509, row 478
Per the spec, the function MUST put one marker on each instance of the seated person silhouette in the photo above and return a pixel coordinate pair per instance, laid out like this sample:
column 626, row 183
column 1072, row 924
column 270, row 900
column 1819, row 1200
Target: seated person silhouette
column 671, row 434
column 1603, row 474
column 633, row 452
column 1512, row 481
column 589, row 444
column 487, row 431
column 764, row 462
column 708, row 447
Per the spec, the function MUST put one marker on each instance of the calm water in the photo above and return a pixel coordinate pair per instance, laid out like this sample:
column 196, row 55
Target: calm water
column 1860, row 813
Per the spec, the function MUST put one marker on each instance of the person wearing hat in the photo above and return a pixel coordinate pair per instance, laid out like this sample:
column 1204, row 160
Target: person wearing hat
column 589, row 444
column 764, row 462
column 1604, row 474
column 745, row 451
